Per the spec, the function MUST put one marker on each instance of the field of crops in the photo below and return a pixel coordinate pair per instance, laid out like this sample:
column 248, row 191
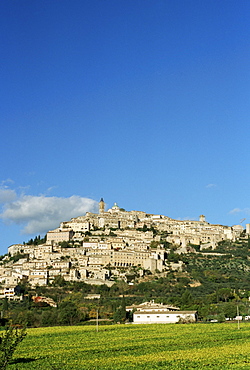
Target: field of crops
column 119, row 347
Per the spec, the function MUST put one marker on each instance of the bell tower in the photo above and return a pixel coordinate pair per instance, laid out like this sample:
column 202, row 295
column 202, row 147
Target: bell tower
column 202, row 218
column 101, row 206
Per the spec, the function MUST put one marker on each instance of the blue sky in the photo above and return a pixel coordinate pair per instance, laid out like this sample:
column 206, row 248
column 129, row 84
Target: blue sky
column 141, row 102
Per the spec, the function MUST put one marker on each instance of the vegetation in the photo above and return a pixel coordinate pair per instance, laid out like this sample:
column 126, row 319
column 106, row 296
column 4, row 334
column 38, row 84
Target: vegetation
column 36, row 241
column 65, row 244
column 16, row 257
column 140, row 347
column 9, row 341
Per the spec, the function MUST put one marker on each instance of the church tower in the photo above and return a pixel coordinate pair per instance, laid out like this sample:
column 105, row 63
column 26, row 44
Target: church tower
column 101, row 206
column 202, row 218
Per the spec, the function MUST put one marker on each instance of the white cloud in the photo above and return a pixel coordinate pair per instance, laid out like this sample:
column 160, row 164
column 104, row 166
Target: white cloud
column 211, row 186
column 239, row 210
column 7, row 195
column 51, row 188
column 4, row 183
column 39, row 214
column 235, row 210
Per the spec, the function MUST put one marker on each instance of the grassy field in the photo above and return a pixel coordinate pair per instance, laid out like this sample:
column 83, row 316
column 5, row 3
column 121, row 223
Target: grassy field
column 119, row 347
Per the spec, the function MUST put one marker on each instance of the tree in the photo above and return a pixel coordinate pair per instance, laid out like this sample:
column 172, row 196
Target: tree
column 224, row 294
column 186, row 298
column 154, row 244
column 230, row 309
column 65, row 244
column 49, row 317
column 173, row 257
column 204, row 312
column 5, row 306
column 9, row 341
column 68, row 313
column 120, row 313
column 59, row 281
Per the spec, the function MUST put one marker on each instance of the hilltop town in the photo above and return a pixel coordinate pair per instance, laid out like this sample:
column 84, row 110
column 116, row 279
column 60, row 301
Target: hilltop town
column 101, row 248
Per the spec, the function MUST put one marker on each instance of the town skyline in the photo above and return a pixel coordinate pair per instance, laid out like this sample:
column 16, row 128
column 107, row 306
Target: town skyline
column 37, row 223
column 97, row 209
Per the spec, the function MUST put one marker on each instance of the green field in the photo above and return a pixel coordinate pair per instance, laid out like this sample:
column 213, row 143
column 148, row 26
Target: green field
column 190, row 346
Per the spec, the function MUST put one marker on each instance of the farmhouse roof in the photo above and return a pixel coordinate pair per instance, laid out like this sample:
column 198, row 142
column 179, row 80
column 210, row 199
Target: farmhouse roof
column 164, row 312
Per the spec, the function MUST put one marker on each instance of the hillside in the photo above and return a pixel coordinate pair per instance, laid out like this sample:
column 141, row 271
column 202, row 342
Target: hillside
column 108, row 260
column 99, row 248
column 214, row 283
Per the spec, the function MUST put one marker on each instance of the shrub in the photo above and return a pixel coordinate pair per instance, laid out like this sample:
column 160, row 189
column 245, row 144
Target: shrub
column 9, row 341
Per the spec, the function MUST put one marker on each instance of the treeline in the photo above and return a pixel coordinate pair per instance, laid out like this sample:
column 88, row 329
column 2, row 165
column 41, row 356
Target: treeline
column 36, row 241
column 72, row 306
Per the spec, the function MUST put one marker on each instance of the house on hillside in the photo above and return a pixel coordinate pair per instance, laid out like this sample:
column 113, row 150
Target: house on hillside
column 47, row 300
column 11, row 291
column 157, row 313
column 167, row 317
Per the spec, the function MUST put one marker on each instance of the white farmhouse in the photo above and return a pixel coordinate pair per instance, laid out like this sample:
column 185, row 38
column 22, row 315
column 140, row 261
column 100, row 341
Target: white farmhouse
column 157, row 313
column 167, row 317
